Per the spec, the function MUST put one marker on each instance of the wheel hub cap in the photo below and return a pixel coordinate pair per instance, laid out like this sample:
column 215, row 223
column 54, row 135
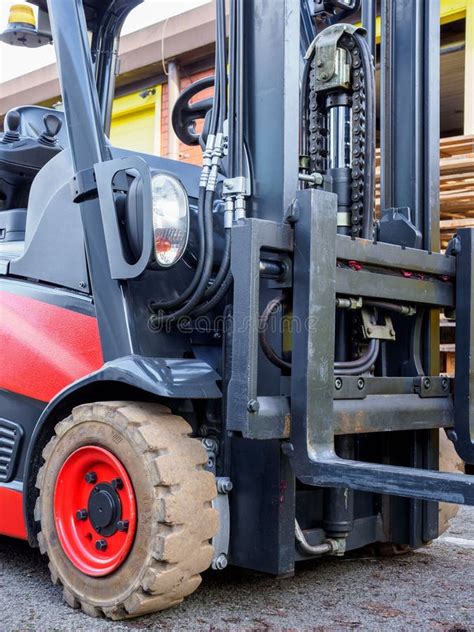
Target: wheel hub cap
column 104, row 509
column 95, row 510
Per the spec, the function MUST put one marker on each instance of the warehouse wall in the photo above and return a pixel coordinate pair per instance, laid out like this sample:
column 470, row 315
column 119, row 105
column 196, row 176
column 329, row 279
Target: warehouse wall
column 134, row 119
column 187, row 154
column 141, row 121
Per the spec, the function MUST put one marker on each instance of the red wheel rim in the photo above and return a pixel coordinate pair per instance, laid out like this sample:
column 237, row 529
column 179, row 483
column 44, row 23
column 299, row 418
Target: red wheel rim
column 94, row 502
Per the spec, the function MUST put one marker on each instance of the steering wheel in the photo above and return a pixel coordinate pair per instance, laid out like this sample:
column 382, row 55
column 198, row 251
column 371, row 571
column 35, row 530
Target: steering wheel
column 185, row 114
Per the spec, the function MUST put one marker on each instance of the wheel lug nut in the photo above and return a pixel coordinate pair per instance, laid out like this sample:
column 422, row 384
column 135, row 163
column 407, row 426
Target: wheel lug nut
column 91, row 478
column 122, row 525
column 101, row 545
column 82, row 514
column 117, row 483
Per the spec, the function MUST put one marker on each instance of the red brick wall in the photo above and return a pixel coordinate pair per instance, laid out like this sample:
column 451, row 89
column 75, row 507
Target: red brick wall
column 187, row 154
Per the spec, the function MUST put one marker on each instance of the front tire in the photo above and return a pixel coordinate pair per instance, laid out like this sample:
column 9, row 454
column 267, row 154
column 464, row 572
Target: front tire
column 157, row 560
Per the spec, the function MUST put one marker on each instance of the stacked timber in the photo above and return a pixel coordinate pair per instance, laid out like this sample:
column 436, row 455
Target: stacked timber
column 457, row 211
column 456, row 185
column 456, row 188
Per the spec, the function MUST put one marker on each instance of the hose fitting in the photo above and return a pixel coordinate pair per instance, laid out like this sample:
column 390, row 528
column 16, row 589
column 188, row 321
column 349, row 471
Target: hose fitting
column 228, row 212
column 240, row 207
column 328, row 547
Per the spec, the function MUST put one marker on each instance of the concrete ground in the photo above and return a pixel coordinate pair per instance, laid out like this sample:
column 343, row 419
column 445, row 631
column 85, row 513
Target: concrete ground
column 431, row 589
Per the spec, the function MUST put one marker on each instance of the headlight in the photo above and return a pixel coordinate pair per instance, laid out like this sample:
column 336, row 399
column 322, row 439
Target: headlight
column 170, row 219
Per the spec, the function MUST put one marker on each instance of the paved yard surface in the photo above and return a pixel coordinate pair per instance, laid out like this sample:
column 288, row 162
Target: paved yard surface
column 432, row 589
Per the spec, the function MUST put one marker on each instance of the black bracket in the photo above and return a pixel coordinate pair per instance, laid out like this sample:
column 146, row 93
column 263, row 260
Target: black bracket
column 464, row 369
column 255, row 417
column 105, row 173
column 84, row 186
column 396, row 227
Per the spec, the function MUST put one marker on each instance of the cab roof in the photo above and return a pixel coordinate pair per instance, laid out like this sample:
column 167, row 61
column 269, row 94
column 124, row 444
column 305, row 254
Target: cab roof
column 95, row 9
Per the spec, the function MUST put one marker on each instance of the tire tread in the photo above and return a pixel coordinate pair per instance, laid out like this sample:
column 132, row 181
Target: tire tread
column 183, row 492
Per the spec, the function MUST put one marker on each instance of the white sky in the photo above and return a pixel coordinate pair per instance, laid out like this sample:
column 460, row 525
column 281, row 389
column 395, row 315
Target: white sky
column 16, row 61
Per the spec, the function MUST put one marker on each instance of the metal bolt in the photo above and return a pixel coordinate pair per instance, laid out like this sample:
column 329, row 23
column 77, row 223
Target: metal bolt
column 209, row 444
column 445, row 383
column 224, row 485
column 369, row 331
column 82, row 284
column 220, row 562
column 253, row 406
column 91, row 478
column 338, row 383
column 392, row 333
column 324, row 76
column 427, row 382
column 287, row 448
column 122, row 525
column 293, row 212
column 117, row 483
column 82, row 514
column 101, row 545
column 360, row 383
column 452, row 436
column 211, row 462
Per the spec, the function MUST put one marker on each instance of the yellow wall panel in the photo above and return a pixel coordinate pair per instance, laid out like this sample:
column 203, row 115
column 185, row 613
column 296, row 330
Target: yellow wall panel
column 450, row 11
column 133, row 121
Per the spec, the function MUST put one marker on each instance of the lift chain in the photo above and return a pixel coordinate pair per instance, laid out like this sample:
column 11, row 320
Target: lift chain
column 319, row 128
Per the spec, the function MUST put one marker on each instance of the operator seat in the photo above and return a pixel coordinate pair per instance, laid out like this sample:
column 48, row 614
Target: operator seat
column 53, row 244
column 33, row 136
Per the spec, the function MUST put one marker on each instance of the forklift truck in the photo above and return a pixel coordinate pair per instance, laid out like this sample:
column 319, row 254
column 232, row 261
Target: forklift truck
column 233, row 363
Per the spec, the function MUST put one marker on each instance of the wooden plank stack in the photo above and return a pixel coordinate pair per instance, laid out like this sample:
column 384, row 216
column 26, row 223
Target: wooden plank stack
column 456, row 184
column 456, row 210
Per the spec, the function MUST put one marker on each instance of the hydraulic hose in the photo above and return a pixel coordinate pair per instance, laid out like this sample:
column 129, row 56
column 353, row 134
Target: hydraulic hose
column 405, row 310
column 349, row 367
column 329, row 546
column 223, row 279
column 221, row 60
column 239, row 122
column 416, row 342
column 232, row 87
column 223, row 276
column 179, row 300
column 162, row 318
column 267, row 348
column 236, row 60
column 195, row 292
column 216, row 299
column 223, row 270
column 216, row 112
column 362, row 364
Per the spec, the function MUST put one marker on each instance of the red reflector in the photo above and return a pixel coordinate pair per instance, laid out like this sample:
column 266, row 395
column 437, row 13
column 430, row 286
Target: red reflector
column 162, row 245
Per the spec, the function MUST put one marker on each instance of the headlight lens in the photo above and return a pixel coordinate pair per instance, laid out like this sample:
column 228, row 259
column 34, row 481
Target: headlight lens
column 170, row 219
